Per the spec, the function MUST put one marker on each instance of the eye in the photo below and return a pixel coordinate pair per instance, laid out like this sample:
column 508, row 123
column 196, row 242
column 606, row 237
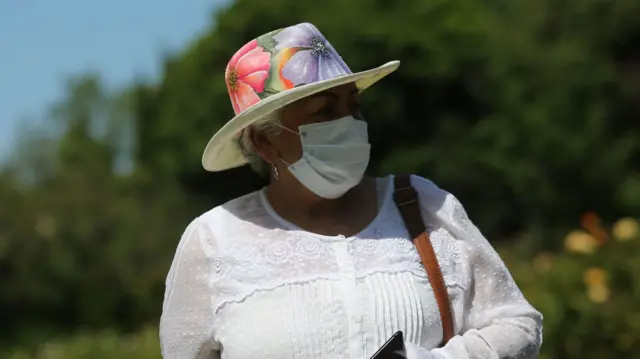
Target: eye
column 327, row 111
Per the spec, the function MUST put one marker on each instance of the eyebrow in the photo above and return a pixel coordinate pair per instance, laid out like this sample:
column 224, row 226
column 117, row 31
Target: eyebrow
column 332, row 95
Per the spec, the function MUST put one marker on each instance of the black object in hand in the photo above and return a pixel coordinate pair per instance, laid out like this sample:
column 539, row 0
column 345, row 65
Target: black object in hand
column 393, row 349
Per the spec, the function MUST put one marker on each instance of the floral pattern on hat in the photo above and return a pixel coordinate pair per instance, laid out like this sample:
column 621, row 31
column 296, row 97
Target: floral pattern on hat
column 314, row 60
column 246, row 74
column 279, row 61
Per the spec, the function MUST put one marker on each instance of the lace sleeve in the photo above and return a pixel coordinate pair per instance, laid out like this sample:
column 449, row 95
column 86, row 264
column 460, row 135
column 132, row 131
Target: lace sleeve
column 185, row 325
column 499, row 323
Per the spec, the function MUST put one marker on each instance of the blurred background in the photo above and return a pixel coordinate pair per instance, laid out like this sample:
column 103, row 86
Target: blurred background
column 528, row 111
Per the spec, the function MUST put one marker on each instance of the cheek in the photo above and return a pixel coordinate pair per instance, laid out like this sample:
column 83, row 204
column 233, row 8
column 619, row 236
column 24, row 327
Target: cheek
column 290, row 147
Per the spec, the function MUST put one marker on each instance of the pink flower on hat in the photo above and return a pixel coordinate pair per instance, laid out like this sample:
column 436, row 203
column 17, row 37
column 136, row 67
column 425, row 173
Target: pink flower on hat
column 246, row 74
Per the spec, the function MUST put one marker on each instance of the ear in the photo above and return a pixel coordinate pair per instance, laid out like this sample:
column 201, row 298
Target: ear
column 263, row 146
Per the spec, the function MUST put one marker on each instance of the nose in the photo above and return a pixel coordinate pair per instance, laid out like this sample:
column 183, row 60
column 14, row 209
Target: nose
column 347, row 108
column 344, row 111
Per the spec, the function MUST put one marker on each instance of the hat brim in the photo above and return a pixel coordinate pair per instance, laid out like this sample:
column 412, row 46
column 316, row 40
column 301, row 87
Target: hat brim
column 222, row 153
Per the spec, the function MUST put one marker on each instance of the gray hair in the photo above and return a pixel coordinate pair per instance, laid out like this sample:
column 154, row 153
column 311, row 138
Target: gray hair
column 267, row 125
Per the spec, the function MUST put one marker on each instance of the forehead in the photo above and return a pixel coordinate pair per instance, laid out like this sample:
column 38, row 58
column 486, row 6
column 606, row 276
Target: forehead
column 335, row 93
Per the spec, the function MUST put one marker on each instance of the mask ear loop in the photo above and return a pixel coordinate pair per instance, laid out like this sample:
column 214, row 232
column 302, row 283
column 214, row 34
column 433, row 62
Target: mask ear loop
column 301, row 134
column 276, row 174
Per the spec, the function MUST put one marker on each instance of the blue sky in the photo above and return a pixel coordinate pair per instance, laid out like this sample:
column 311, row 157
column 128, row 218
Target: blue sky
column 43, row 41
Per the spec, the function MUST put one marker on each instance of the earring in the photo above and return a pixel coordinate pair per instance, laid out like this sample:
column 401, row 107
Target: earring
column 276, row 174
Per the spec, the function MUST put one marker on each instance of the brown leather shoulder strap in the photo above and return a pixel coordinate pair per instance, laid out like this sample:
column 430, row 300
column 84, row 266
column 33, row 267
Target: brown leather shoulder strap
column 406, row 199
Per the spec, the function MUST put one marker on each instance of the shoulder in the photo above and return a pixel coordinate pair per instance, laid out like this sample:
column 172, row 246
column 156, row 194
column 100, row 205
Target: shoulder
column 240, row 209
column 445, row 206
column 240, row 206
column 433, row 198
column 194, row 245
column 221, row 224
column 428, row 189
column 200, row 239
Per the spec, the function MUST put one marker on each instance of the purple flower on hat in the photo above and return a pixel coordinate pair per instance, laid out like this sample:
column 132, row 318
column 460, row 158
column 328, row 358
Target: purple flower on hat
column 314, row 60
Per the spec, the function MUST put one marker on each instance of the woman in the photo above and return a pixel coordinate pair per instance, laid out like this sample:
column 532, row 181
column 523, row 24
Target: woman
column 319, row 264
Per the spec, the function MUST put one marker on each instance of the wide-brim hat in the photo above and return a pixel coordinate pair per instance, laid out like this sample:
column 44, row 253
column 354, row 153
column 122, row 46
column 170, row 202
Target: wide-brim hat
column 272, row 71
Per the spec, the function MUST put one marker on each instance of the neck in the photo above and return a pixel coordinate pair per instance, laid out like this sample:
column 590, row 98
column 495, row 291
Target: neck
column 291, row 198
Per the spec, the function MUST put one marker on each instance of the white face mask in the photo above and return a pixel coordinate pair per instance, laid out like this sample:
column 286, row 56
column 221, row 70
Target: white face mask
column 335, row 155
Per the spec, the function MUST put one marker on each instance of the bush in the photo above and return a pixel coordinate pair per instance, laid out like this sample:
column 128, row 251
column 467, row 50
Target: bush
column 589, row 293
column 106, row 345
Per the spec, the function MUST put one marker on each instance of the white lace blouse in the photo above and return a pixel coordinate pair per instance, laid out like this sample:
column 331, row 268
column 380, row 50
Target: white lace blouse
column 245, row 283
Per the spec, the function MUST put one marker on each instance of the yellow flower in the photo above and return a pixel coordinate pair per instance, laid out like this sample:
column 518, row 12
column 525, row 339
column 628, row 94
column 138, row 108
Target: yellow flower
column 598, row 293
column 579, row 241
column 594, row 276
column 595, row 279
column 626, row 229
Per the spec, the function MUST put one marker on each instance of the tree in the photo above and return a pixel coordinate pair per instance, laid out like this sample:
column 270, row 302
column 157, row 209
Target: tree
column 498, row 102
column 84, row 244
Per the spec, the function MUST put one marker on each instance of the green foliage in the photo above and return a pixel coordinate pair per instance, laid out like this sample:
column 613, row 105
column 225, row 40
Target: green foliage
column 526, row 110
column 143, row 345
column 82, row 244
column 589, row 294
column 513, row 104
